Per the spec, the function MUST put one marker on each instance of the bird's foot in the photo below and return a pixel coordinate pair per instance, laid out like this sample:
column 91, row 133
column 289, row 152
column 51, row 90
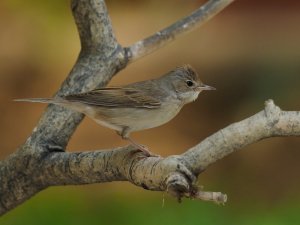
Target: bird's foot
column 146, row 151
column 142, row 148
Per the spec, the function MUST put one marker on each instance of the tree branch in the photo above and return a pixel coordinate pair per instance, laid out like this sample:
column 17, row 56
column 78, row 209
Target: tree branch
column 170, row 33
column 175, row 174
column 94, row 26
column 100, row 58
column 270, row 122
column 41, row 161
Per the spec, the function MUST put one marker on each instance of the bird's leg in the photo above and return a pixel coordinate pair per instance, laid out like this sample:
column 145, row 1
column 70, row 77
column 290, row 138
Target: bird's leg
column 125, row 135
column 139, row 146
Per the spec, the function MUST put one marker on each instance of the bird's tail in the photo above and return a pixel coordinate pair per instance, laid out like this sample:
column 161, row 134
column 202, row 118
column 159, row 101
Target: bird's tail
column 39, row 100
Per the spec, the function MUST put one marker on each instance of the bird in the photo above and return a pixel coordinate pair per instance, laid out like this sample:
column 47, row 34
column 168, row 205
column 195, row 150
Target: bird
column 137, row 106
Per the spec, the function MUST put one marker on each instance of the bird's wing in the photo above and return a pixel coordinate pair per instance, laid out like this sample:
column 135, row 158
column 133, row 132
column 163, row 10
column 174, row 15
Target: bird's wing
column 116, row 97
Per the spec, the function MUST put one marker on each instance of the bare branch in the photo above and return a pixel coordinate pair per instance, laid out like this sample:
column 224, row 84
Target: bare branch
column 216, row 197
column 100, row 58
column 42, row 162
column 170, row 33
column 270, row 122
column 94, row 26
column 174, row 174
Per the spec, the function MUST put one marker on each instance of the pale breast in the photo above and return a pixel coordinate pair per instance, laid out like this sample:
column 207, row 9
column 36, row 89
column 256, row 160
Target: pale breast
column 137, row 118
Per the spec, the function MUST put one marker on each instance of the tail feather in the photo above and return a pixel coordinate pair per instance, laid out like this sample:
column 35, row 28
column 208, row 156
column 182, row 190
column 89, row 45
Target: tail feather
column 39, row 100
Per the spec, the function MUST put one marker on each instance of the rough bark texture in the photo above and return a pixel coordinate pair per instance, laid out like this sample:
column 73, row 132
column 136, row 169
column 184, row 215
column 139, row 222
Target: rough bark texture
column 100, row 58
column 42, row 161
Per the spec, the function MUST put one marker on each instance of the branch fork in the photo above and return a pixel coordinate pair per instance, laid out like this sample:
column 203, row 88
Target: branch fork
column 35, row 166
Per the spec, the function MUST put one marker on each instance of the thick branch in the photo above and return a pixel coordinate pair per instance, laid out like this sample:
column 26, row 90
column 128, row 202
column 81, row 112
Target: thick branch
column 98, row 61
column 27, row 171
column 170, row 33
column 100, row 58
column 94, row 26
column 270, row 122
column 176, row 174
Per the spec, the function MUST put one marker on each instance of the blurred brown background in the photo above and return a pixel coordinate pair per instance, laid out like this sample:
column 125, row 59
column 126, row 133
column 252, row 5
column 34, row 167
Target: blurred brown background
column 250, row 53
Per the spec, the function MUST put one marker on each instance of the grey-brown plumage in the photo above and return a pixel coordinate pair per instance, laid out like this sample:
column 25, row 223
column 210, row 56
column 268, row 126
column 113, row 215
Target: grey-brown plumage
column 136, row 106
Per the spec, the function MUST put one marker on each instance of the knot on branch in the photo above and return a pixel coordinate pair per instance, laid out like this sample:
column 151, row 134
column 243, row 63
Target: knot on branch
column 179, row 180
column 178, row 186
column 169, row 174
column 156, row 173
column 272, row 112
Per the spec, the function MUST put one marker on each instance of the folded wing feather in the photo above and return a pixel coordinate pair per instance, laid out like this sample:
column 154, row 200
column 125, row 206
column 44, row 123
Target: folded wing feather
column 116, row 97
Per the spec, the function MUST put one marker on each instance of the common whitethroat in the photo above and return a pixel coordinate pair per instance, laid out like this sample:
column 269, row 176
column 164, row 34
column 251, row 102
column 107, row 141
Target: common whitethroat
column 136, row 106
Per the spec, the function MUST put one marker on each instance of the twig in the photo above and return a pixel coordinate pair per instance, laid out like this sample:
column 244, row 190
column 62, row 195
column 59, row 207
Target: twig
column 216, row 197
column 170, row 33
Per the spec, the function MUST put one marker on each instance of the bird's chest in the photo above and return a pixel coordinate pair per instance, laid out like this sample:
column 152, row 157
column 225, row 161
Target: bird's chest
column 149, row 118
column 138, row 118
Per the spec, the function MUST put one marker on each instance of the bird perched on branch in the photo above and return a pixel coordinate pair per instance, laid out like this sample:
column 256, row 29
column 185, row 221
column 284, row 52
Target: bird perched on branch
column 136, row 106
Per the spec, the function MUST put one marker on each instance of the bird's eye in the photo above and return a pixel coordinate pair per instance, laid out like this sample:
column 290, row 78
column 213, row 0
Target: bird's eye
column 189, row 83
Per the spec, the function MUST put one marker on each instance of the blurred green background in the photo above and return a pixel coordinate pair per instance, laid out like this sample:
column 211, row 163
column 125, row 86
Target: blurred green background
column 250, row 53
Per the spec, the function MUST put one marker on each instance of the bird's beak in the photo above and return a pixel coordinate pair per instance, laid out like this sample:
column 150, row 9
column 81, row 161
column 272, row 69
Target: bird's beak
column 203, row 87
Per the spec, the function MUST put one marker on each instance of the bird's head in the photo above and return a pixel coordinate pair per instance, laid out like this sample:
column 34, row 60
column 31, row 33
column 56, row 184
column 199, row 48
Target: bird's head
column 187, row 83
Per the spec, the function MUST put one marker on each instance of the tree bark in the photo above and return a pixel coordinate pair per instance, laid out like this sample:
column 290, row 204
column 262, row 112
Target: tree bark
column 42, row 161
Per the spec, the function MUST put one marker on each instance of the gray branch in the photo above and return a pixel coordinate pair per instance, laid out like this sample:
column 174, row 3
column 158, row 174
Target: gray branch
column 42, row 162
column 159, row 174
column 100, row 58
column 175, row 174
column 170, row 33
